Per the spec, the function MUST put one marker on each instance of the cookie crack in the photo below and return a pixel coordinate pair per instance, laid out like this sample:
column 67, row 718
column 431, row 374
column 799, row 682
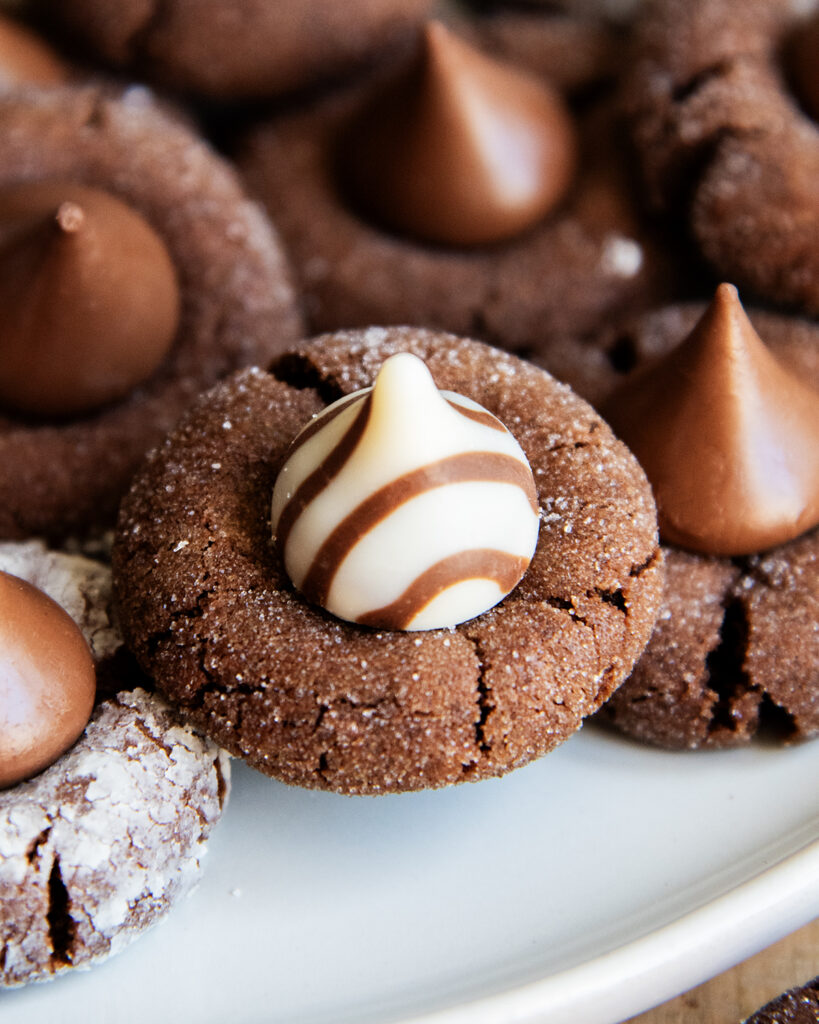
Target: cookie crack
column 61, row 926
column 685, row 90
column 33, row 852
column 155, row 741
column 483, row 692
column 616, row 598
column 296, row 370
column 637, row 570
column 776, row 721
column 726, row 675
column 221, row 783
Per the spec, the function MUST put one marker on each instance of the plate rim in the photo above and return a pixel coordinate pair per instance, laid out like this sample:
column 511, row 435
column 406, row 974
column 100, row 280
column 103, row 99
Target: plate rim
column 666, row 961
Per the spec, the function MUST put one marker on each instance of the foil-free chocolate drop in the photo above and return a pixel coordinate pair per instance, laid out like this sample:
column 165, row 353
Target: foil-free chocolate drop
column 47, row 681
column 462, row 150
column 729, row 439
column 25, row 59
column 89, row 300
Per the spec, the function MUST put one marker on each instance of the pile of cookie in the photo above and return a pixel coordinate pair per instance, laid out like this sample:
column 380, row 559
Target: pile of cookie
column 534, row 462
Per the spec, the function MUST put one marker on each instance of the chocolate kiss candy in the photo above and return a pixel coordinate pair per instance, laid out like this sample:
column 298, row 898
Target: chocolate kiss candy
column 47, row 680
column 89, row 302
column 25, row 59
column 803, row 58
column 728, row 438
column 463, row 150
column 405, row 507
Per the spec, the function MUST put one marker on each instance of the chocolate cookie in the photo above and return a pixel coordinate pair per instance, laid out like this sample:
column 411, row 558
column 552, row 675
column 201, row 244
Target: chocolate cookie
column 208, row 608
column 99, row 846
column 796, row 1006
column 725, row 143
column 735, row 649
column 239, row 48
column 574, row 52
column 234, row 303
column 563, row 271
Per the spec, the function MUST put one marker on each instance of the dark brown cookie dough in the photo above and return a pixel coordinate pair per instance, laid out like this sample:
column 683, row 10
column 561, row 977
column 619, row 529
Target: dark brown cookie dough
column 208, row 610
column 99, row 846
column 735, row 648
column 725, row 145
column 238, row 306
column 587, row 261
column 796, row 1006
column 233, row 49
column 573, row 52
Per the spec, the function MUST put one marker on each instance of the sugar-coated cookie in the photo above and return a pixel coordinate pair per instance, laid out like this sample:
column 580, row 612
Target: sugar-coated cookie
column 209, row 611
column 100, row 845
column 64, row 472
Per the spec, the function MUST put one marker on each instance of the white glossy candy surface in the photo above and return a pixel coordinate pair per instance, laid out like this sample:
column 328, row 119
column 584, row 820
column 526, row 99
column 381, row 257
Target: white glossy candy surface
column 405, row 507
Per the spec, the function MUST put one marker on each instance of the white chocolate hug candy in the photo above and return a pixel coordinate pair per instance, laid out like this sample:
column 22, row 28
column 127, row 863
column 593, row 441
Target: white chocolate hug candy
column 405, row 507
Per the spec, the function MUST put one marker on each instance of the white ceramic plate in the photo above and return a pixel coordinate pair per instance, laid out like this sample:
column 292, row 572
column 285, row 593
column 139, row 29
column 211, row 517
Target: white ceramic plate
column 584, row 888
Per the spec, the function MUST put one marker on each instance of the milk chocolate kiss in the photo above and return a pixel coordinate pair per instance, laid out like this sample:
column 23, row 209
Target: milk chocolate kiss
column 462, row 150
column 803, row 60
column 728, row 438
column 89, row 302
column 47, row 681
column 25, row 59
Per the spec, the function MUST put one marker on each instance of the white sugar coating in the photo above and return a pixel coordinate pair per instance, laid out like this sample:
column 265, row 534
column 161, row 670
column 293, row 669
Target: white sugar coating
column 79, row 585
column 411, row 428
column 118, row 824
column 124, row 816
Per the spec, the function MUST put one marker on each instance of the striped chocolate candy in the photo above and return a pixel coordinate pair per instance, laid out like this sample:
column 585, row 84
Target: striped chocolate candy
column 405, row 507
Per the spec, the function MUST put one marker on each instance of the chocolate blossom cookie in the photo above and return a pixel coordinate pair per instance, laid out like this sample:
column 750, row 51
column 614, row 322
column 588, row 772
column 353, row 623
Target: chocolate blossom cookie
column 209, row 610
column 454, row 191
column 727, row 429
column 134, row 273
column 725, row 141
column 235, row 49
column 796, row 1006
column 99, row 845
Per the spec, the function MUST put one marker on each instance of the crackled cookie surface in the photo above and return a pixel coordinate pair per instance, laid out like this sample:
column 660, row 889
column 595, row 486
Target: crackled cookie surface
column 209, row 610
column 726, row 142
column 736, row 647
column 98, row 846
column 64, row 470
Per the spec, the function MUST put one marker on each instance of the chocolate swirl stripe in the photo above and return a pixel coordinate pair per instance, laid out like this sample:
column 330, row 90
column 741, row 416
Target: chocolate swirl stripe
column 320, row 421
column 326, row 470
column 486, row 419
column 481, row 563
column 479, row 466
